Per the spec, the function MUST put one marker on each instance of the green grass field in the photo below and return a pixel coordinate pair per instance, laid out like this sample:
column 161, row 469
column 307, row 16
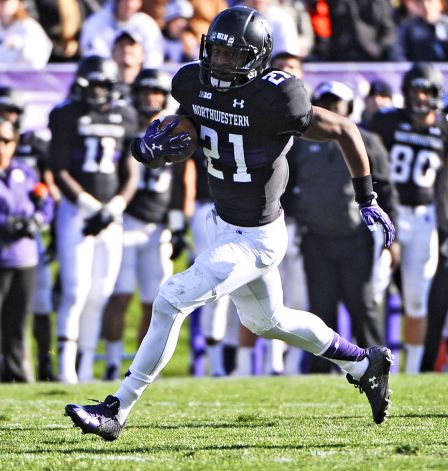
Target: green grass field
column 265, row 423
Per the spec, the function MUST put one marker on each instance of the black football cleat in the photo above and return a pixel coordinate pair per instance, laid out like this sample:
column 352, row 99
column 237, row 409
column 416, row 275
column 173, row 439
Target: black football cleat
column 375, row 382
column 100, row 419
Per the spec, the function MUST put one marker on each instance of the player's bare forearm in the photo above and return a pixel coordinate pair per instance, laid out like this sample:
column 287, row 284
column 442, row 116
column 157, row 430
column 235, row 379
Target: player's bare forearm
column 69, row 187
column 328, row 126
column 129, row 175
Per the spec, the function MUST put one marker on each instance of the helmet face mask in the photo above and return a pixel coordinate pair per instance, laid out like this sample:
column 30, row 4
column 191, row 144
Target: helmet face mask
column 236, row 49
column 423, row 88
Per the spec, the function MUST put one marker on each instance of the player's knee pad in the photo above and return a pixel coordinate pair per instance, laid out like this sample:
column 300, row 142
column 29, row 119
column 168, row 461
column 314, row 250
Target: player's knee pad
column 189, row 289
column 257, row 322
column 163, row 308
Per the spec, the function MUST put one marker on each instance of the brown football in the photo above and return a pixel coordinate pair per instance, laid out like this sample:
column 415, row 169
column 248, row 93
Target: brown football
column 185, row 124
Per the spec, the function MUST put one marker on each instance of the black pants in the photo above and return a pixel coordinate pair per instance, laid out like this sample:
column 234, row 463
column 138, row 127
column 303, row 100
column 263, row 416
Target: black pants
column 437, row 306
column 340, row 270
column 16, row 295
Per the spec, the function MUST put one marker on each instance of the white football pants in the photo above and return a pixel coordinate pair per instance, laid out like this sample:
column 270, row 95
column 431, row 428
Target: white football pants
column 242, row 262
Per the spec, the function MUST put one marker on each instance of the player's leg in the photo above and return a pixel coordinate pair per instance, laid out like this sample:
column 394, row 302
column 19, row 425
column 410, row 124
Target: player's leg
column 213, row 322
column 154, row 266
column 261, row 309
column 114, row 314
column 105, row 268
column 245, row 352
column 213, row 317
column 112, row 332
column 235, row 258
column 75, row 255
column 419, row 255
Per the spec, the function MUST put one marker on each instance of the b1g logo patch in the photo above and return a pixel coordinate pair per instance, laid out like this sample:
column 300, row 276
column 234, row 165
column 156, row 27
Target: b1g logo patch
column 205, row 95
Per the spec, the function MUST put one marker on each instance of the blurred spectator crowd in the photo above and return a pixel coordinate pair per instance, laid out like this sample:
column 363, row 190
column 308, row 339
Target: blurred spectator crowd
column 83, row 226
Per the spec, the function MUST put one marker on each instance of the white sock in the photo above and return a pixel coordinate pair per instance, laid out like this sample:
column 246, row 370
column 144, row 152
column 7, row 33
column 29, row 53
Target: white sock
column 214, row 353
column 85, row 370
column 244, row 361
column 354, row 368
column 414, row 356
column 114, row 352
column 274, row 357
column 153, row 354
column 67, row 362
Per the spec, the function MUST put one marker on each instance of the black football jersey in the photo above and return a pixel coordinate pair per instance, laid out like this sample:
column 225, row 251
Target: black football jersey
column 32, row 150
column 152, row 199
column 416, row 154
column 89, row 144
column 245, row 134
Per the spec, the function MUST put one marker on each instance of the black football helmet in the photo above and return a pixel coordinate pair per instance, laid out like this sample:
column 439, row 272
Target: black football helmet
column 423, row 75
column 247, row 33
column 97, row 79
column 147, row 80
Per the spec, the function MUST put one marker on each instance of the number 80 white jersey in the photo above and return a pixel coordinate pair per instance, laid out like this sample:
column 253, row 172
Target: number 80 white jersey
column 416, row 154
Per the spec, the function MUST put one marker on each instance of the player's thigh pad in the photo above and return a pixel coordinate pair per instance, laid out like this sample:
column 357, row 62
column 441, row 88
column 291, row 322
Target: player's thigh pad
column 237, row 256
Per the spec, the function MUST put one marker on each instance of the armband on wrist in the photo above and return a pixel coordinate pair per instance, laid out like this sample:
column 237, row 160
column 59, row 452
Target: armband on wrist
column 363, row 189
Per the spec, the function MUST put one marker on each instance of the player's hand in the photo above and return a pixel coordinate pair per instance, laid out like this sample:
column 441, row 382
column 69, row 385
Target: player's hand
column 93, row 225
column 373, row 215
column 157, row 145
column 179, row 242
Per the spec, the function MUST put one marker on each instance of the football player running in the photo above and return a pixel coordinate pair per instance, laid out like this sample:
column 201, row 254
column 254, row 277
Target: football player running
column 246, row 115
column 146, row 254
column 417, row 143
column 97, row 176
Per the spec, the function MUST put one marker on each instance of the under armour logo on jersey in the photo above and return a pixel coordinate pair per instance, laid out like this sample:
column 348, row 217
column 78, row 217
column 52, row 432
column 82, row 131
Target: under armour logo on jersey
column 238, row 103
column 373, row 383
column 154, row 146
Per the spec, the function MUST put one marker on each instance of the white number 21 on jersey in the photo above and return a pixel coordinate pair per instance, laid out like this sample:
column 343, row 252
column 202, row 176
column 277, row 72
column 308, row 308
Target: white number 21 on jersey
column 212, row 154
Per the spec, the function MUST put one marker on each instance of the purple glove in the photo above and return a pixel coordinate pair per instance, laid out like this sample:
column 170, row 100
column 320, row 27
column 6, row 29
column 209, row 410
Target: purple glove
column 157, row 144
column 372, row 215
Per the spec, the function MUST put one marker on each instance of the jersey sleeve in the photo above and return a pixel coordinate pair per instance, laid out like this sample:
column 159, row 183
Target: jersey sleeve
column 287, row 100
column 181, row 83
